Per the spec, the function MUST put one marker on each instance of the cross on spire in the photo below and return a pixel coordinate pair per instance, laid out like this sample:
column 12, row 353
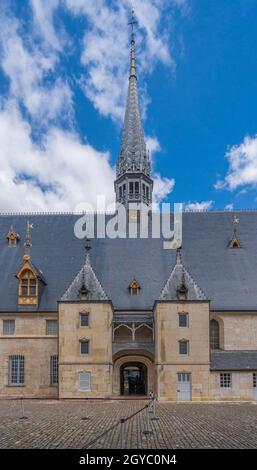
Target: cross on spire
column 133, row 20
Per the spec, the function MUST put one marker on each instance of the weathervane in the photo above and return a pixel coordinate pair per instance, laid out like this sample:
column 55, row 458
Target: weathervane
column 235, row 241
column 28, row 243
column 235, row 223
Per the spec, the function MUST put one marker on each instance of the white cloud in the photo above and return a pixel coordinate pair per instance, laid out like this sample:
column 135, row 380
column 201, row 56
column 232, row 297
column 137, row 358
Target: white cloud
column 229, row 207
column 152, row 145
column 242, row 169
column 104, row 58
column 30, row 70
column 59, row 175
column 162, row 187
column 44, row 20
column 61, row 172
column 56, row 176
column 198, row 206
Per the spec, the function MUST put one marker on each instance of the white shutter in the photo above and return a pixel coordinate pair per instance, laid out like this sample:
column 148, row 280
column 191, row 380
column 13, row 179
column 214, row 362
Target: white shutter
column 84, row 380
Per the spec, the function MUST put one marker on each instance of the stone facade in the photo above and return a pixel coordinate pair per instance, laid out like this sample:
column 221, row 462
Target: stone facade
column 98, row 361
column 37, row 347
column 31, row 340
column 168, row 358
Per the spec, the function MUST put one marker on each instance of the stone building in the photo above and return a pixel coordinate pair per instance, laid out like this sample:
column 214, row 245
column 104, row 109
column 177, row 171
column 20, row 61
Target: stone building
column 128, row 317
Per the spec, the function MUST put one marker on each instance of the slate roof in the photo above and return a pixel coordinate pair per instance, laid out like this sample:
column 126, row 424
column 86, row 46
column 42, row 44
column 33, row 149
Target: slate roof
column 228, row 277
column 234, row 360
column 181, row 277
column 86, row 278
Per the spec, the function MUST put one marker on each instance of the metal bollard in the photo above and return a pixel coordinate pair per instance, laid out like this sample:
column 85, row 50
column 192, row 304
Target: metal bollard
column 122, row 433
column 86, row 417
column 154, row 417
column 147, row 431
column 22, row 410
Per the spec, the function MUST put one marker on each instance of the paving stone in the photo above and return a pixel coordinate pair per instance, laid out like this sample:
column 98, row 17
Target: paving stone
column 58, row 424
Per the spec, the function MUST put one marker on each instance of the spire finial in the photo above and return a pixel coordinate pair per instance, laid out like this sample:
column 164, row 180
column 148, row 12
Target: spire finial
column 83, row 290
column 178, row 256
column 235, row 224
column 88, row 248
column 132, row 22
column 27, row 243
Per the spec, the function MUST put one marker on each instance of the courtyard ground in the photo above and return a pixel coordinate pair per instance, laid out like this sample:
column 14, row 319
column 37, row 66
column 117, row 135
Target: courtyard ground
column 59, row 424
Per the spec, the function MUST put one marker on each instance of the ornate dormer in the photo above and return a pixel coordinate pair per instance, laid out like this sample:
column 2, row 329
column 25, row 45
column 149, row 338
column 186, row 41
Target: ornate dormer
column 235, row 241
column 134, row 287
column 133, row 184
column 31, row 280
column 12, row 237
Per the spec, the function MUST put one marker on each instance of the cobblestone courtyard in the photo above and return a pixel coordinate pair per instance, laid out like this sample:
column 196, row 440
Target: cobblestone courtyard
column 58, row 424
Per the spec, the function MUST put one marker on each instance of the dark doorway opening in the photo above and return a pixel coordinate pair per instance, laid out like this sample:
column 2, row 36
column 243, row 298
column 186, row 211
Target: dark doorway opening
column 133, row 379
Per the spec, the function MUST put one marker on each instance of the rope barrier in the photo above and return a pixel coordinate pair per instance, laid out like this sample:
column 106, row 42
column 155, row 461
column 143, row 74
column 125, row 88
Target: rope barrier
column 113, row 427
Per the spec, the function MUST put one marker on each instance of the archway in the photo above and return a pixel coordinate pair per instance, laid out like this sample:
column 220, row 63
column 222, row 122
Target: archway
column 133, row 379
column 128, row 358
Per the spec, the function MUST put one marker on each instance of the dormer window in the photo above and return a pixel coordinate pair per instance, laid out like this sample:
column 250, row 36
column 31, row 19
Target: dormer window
column 28, row 284
column 182, row 292
column 235, row 240
column 83, row 293
column 31, row 283
column 235, row 243
column 12, row 237
column 134, row 287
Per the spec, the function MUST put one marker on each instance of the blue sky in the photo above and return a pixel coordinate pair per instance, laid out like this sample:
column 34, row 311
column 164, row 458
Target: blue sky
column 63, row 83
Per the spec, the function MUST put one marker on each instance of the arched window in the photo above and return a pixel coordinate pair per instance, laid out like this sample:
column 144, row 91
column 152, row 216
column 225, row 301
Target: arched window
column 215, row 334
column 28, row 284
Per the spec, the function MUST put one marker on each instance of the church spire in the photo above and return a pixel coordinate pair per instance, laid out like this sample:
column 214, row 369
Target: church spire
column 133, row 183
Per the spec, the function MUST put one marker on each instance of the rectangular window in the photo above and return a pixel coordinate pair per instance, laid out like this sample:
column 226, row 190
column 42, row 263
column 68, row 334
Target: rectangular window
column 131, row 188
column 51, row 327
column 184, row 347
column 225, row 380
column 183, row 320
column 16, row 370
column 137, row 187
column 255, row 380
column 84, row 348
column 84, row 320
column 120, row 192
column 54, row 370
column 8, row 327
column 84, row 380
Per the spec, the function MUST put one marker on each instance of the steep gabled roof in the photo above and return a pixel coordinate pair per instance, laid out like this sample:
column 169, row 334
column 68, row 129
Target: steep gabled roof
column 180, row 279
column 86, row 280
column 226, row 276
